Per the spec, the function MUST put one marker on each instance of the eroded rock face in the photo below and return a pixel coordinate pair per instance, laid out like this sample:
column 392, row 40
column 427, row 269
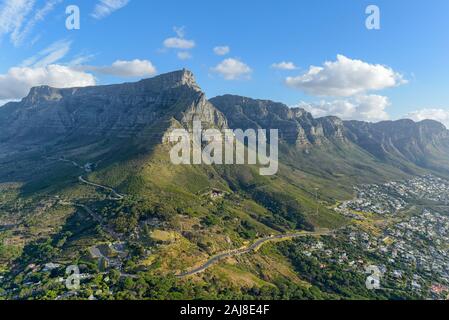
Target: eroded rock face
column 415, row 141
column 122, row 110
column 424, row 143
column 148, row 109
column 296, row 126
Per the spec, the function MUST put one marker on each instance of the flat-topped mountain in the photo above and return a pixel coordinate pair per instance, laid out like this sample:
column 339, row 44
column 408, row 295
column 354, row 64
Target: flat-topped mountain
column 146, row 109
column 121, row 110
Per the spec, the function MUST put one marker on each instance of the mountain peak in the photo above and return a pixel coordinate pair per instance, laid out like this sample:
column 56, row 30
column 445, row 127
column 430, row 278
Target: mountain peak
column 433, row 123
column 178, row 78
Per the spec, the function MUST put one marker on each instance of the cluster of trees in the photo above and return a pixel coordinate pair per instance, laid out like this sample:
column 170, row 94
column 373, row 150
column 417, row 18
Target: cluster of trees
column 8, row 252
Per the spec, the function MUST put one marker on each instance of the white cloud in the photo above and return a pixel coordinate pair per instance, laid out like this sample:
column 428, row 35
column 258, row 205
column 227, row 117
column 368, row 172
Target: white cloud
column 20, row 34
column 284, row 65
column 184, row 55
column 232, row 69
column 12, row 16
column 49, row 55
column 364, row 107
column 106, row 7
column 222, row 50
column 19, row 80
column 345, row 77
column 179, row 43
column 441, row 115
column 121, row 68
column 80, row 59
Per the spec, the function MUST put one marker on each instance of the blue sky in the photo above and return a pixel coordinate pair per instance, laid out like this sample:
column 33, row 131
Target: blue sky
column 400, row 70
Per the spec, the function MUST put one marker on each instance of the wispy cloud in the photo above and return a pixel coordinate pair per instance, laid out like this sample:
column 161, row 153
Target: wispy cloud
column 105, row 7
column 81, row 59
column 222, row 50
column 184, row 55
column 52, row 54
column 12, row 16
column 122, row 68
column 284, row 65
column 20, row 34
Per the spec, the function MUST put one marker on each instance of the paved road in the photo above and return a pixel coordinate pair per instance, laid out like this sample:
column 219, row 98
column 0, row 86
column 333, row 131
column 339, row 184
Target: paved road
column 252, row 248
column 116, row 196
column 95, row 251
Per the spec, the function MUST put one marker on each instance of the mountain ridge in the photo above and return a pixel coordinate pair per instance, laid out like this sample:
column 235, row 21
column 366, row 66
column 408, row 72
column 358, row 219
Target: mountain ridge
column 145, row 111
column 46, row 94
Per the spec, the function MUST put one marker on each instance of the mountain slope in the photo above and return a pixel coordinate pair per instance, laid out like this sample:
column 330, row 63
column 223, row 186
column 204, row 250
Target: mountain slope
column 425, row 144
column 400, row 147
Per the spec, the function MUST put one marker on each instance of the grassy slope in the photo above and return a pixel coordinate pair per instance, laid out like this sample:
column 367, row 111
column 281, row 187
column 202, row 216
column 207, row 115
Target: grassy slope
column 202, row 226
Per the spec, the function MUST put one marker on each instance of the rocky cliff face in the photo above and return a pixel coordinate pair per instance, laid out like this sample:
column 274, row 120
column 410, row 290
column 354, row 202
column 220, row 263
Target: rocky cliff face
column 149, row 108
column 405, row 139
column 402, row 143
column 123, row 110
column 296, row 126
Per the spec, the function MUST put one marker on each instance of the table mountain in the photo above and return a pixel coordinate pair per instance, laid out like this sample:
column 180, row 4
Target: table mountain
column 118, row 111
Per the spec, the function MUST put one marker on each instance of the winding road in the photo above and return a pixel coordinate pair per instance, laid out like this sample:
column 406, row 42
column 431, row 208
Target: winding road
column 213, row 260
column 116, row 196
column 252, row 248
